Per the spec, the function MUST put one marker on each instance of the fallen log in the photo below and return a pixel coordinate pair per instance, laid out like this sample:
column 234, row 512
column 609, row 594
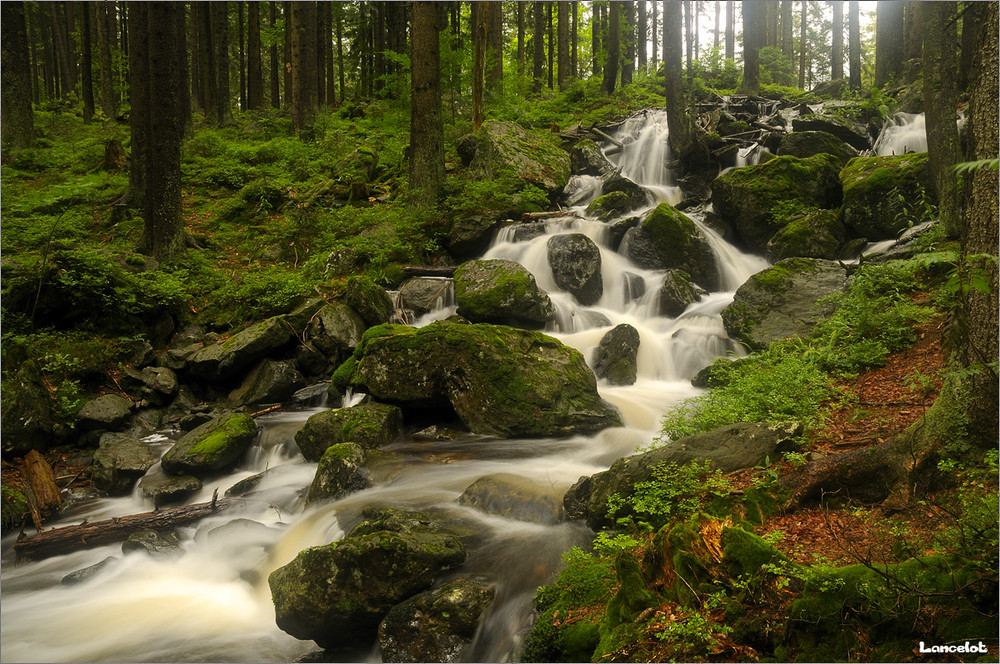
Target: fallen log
column 429, row 270
column 85, row 535
column 610, row 139
column 547, row 214
column 40, row 488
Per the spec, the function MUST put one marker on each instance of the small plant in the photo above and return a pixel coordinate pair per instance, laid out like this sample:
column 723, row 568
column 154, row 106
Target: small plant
column 672, row 491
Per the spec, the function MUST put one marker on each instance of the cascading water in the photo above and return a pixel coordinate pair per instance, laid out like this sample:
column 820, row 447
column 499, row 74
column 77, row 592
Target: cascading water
column 904, row 132
column 213, row 602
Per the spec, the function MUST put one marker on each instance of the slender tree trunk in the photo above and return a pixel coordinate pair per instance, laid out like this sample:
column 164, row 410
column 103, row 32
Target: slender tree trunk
column 688, row 39
column 479, row 46
column 276, row 69
column 772, row 23
column 551, row 44
column 35, row 66
column 520, row 38
column 837, row 58
column 595, row 38
column 322, row 37
column 787, row 45
column 613, row 48
column 888, row 41
column 139, row 114
column 197, row 88
column 209, row 65
column 303, row 26
column 286, row 78
column 574, row 57
column 241, row 55
column 716, row 33
column 18, row 127
column 912, row 30
column 654, row 34
column 86, row 62
column 104, row 38
column 854, row 44
column 340, row 51
column 255, row 69
column 681, row 135
column 802, row 44
column 970, row 28
column 220, row 27
column 641, row 35
column 628, row 39
column 562, row 9
column 494, row 47
column 538, row 46
column 940, row 93
column 730, row 31
column 753, row 35
column 183, row 71
column 426, row 125
column 60, row 32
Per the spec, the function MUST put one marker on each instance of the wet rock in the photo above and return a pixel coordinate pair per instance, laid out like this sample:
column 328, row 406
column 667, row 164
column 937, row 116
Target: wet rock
column 271, row 381
column 225, row 360
column 615, row 356
column 335, row 330
column 499, row 380
column 669, row 239
column 618, row 229
column 818, row 234
column 586, row 158
column 513, row 497
column 677, row 293
column 526, row 232
column 730, row 448
column 436, row 625
column 87, row 573
column 576, row 266
column 369, row 300
column 633, row 286
column 26, row 423
column 754, row 198
column 501, row 291
column 108, row 411
column 213, row 446
column 156, row 545
column 809, row 143
column 423, row 294
column 375, row 519
column 246, row 485
column 847, row 130
column 609, row 206
column 783, row 301
column 469, row 237
column 341, row 471
column 884, row 195
column 534, row 156
column 370, row 425
column 119, row 462
column 162, row 488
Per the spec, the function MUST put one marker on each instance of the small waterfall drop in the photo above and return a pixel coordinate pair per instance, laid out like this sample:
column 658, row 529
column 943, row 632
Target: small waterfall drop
column 902, row 133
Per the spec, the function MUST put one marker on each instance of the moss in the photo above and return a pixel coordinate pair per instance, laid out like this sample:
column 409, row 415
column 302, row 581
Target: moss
column 746, row 553
column 218, row 441
column 15, row 507
column 669, row 227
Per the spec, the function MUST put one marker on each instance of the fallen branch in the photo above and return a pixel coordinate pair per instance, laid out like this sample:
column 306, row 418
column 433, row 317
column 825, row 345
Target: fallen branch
column 547, row 214
column 86, row 535
column 429, row 270
column 613, row 141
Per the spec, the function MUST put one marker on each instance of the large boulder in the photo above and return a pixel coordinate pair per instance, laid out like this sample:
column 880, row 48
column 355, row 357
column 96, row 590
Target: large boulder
column 576, row 266
column 423, row 294
column 108, row 411
column 586, row 158
column 849, row 131
column 470, row 236
column 499, row 380
column 215, row 445
column 501, row 291
column 436, row 625
column 157, row 385
column 618, row 196
column 677, row 293
column 669, row 239
column 729, row 448
column 341, row 471
column 119, row 462
column 817, row 234
column 369, row 425
column 271, row 381
column 162, row 488
column 809, row 143
column 752, row 198
column 337, row 594
column 615, row 356
column 224, row 360
column 884, row 195
column 535, row 157
column 513, row 497
column 26, row 422
column 335, row 330
column 783, row 301
column 368, row 299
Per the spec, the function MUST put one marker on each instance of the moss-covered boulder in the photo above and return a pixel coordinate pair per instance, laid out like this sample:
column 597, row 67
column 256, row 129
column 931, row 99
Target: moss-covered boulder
column 618, row 196
column 677, row 293
column 26, row 422
column 535, row 157
column 501, row 291
column 269, row 382
column 849, row 131
column 337, row 594
column 884, row 195
column 226, row 359
column 817, row 234
column 783, row 300
column 729, row 448
column 335, row 330
column 514, row 497
column 341, row 471
column 369, row 425
column 369, row 300
column 499, row 380
column 586, row 158
column 14, row 510
column 213, row 446
column 119, row 461
column 809, row 143
column 752, row 198
column 470, row 236
column 423, row 294
column 436, row 625
column 576, row 266
column 666, row 239
column 615, row 356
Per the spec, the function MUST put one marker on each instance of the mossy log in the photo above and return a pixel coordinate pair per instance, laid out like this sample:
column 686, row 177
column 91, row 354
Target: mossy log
column 86, row 535
column 40, row 488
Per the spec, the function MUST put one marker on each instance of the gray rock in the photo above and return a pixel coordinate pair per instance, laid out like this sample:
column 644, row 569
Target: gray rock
column 618, row 229
column 501, row 291
column 224, row 360
column 677, row 293
column 513, row 497
column 163, row 488
column 423, row 294
column 586, row 158
column 884, row 195
column 215, row 445
column 87, row 573
column 271, row 381
column 119, row 462
column 469, row 237
column 26, row 423
column 534, row 156
column 108, row 411
column 669, row 239
column 783, row 301
column 156, row 545
column 576, row 266
column 341, row 471
column 436, row 625
column 525, row 232
column 157, row 385
column 730, row 448
column 847, row 130
column 633, row 286
column 369, row 300
column 335, row 330
column 615, row 356
column 818, row 234
column 369, row 425
column 809, row 143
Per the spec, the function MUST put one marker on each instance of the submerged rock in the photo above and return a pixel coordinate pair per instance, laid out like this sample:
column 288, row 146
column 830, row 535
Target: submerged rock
column 513, row 497
column 576, row 266
column 586, row 158
column 499, row 380
column 501, row 291
column 163, row 488
column 153, row 543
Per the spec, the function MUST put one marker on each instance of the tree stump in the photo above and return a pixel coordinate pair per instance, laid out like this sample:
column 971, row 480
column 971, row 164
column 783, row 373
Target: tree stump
column 115, row 157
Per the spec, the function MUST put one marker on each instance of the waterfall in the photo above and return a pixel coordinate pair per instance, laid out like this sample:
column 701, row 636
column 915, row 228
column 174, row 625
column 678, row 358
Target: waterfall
column 213, row 602
column 902, row 133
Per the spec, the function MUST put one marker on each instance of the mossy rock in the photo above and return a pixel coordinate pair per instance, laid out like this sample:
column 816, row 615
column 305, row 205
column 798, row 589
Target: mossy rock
column 615, row 356
column 15, row 509
column 669, row 239
column 575, row 261
column 499, row 380
column 513, row 497
column 535, row 157
column 609, row 206
column 749, row 197
column 27, row 422
column 225, row 360
column 503, row 292
column 809, row 143
column 369, row 300
column 851, row 132
column 341, row 471
column 586, row 158
column 818, row 234
column 370, row 425
column 677, row 293
column 884, row 195
column 269, row 382
column 119, row 461
column 213, row 446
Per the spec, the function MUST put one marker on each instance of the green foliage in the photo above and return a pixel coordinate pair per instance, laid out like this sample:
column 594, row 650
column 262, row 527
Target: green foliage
column 14, row 507
column 672, row 492
column 776, row 67
column 256, row 295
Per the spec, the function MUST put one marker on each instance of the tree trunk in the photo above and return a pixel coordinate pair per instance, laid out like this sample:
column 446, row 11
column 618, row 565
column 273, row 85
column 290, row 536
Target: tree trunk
column 327, row 45
column 322, row 37
column 628, row 41
column 552, row 45
column 520, row 38
column 612, row 47
column 426, row 124
column 678, row 119
column 837, row 57
column 641, row 35
column 595, row 38
column 209, row 66
column 940, row 93
column 255, row 70
column 139, row 83
column 574, row 56
column 61, row 34
column 970, row 28
column 979, row 346
column 888, row 41
column 753, row 33
column 802, row 44
column 654, row 34
column 303, row 28
column 220, row 27
column 494, row 47
column 730, row 31
column 276, row 68
column 184, row 72
column 40, row 488
column 286, row 58
column 562, row 10
column 340, row 51
column 17, row 130
column 538, row 46
column 913, row 21
column 241, row 55
column 771, row 20
column 86, row 62
column 105, row 34
column 479, row 64
column 854, row 44
column 717, row 32
column 688, row 38
column 787, row 44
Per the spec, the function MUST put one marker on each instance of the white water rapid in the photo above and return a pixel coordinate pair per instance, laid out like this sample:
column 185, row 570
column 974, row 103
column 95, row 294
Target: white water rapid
column 212, row 604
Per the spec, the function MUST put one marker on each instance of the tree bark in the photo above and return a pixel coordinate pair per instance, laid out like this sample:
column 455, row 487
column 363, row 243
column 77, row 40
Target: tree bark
column 787, row 44
column 562, row 10
column 641, row 34
column 87, row 535
column 520, row 38
column 86, row 62
column 184, row 71
column 479, row 46
column 595, row 38
column 913, row 21
column 322, row 37
column 17, row 130
column 970, row 28
column 551, row 44
column 628, row 42
column 241, row 55
column 426, row 124
column 837, row 57
column 730, row 31
column 220, row 28
column 61, row 33
column 753, row 34
column 255, row 69
column 494, row 50
column 771, row 21
column 854, row 44
column 105, row 35
column 209, row 66
column 340, row 51
column 303, row 22
column 802, row 44
column 40, row 487
column 613, row 47
column 139, row 113
column 538, row 46
column 888, row 41
column 678, row 119
column 276, row 69
column 574, row 58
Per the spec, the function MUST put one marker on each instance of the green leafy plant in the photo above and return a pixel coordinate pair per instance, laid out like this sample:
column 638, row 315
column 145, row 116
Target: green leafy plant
column 672, row 491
